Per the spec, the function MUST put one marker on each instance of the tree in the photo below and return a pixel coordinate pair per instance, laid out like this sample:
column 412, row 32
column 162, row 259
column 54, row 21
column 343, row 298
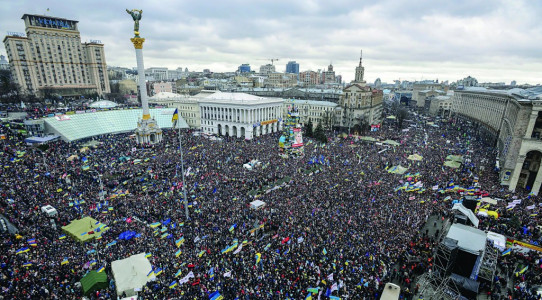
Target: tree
column 308, row 129
column 319, row 134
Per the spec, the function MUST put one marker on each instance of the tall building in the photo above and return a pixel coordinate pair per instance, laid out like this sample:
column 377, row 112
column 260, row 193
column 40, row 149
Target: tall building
column 51, row 60
column 292, row 67
column 512, row 119
column 360, row 103
column 329, row 75
column 266, row 69
column 244, row 68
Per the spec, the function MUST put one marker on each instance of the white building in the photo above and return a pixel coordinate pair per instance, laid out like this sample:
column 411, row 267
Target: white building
column 240, row 114
column 188, row 107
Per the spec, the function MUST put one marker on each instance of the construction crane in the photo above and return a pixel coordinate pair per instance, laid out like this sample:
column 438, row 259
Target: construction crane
column 271, row 59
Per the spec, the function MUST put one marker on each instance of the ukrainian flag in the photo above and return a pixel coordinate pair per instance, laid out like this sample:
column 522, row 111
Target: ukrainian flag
column 100, row 270
column 506, row 252
column 258, row 257
column 175, row 117
column 178, row 273
column 164, row 235
column 23, row 250
column 179, row 241
column 64, row 261
column 173, row 284
column 158, row 271
column 155, row 224
column 201, row 253
column 216, row 296
column 151, row 273
column 27, row 264
column 148, row 255
column 178, row 253
column 93, row 262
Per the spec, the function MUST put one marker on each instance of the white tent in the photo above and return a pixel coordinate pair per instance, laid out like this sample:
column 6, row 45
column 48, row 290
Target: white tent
column 131, row 274
column 467, row 212
column 499, row 241
column 257, row 204
column 468, row 238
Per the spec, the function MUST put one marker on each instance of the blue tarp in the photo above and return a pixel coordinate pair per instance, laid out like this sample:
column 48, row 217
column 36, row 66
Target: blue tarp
column 127, row 235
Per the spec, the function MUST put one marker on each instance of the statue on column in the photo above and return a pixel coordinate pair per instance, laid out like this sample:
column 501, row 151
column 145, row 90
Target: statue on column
column 136, row 15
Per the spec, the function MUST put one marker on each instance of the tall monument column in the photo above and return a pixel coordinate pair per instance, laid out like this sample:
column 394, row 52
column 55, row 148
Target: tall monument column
column 147, row 131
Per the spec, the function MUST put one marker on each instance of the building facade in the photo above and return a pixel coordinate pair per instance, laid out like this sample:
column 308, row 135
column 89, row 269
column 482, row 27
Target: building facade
column 425, row 86
column 292, row 67
column 309, row 78
column 266, row 69
column 324, row 112
column 360, row 103
column 187, row 107
column 240, row 115
column 51, row 60
column 163, row 87
column 514, row 119
column 244, row 68
column 439, row 106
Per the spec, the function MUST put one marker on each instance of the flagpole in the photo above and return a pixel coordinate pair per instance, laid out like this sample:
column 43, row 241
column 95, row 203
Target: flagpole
column 182, row 171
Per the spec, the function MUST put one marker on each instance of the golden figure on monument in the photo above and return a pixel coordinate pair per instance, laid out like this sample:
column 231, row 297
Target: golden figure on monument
column 136, row 15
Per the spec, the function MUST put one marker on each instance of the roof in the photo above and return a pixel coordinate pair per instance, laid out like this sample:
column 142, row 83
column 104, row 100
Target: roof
column 237, row 98
column 533, row 93
column 40, row 139
column 103, row 104
column 131, row 273
column 167, row 95
column 467, row 212
column 468, row 238
column 75, row 127
column 312, row 102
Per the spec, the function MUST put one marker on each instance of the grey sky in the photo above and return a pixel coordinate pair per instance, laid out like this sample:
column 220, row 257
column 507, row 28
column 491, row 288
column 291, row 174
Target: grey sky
column 492, row 40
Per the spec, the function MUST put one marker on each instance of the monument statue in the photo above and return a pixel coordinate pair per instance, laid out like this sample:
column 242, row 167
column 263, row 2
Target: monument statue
column 136, row 15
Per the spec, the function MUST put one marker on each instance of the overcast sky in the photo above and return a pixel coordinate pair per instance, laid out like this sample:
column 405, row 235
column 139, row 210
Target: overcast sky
column 492, row 40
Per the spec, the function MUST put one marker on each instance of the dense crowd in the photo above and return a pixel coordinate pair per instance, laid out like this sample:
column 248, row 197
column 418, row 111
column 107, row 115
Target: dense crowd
column 335, row 222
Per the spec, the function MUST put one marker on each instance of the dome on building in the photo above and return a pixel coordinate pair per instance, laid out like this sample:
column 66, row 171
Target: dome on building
column 103, row 104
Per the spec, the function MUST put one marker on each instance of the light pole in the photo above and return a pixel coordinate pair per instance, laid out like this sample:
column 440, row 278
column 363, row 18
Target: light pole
column 101, row 185
column 182, row 172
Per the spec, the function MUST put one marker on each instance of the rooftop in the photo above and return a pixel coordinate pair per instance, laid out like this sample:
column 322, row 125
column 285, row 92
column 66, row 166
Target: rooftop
column 237, row 98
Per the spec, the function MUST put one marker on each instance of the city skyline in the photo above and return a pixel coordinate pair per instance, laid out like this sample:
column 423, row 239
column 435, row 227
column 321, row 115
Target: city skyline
column 489, row 40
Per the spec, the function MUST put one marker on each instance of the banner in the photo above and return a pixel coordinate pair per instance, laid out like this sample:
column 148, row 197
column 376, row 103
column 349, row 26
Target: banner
column 298, row 138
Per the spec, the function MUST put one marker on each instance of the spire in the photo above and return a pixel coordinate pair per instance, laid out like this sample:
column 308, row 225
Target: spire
column 360, row 69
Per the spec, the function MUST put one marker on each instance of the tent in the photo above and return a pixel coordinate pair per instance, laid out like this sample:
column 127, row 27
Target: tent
column 257, row 204
column 489, row 200
column 93, row 281
column 85, row 229
column 397, row 170
column 131, row 274
column 368, row 138
column 499, row 241
column 467, row 212
column 416, row 157
column 452, row 164
column 391, row 142
column 457, row 158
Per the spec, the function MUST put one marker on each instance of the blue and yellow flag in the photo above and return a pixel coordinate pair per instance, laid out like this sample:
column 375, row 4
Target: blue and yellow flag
column 65, row 261
column 173, row 284
column 175, row 117
column 100, row 270
column 178, row 253
column 148, row 255
column 258, row 257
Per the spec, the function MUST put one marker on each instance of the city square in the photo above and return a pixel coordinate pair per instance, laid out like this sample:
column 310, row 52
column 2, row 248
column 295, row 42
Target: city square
column 157, row 183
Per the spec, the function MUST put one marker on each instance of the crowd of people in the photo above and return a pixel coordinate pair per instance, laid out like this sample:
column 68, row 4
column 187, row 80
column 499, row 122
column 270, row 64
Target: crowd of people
column 336, row 223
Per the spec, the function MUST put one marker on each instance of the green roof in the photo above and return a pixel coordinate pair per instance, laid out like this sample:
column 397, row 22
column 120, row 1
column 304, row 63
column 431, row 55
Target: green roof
column 93, row 281
column 79, row 126
column 78, row 229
